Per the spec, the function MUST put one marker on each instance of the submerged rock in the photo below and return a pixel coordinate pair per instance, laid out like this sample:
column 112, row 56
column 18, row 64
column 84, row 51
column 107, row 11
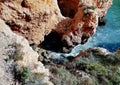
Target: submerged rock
column 16, row 56
column 102, row 21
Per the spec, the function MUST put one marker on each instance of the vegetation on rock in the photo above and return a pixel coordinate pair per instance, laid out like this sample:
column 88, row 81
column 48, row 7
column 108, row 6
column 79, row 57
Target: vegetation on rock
column 22, row 74
column 93, row 68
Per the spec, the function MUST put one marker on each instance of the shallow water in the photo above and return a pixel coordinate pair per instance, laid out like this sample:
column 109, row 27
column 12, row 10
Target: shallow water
column 107, row 36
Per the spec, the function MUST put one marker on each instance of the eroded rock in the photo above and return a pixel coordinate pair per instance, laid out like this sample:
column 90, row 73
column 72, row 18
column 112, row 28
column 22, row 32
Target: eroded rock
column 32, row 19
column 85, row 21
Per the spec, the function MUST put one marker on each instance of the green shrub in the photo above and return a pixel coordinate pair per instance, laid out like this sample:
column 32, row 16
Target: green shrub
column 96, row 69
column 13, row 53
column 22, row 74
column 63, row 76
column 103, row 69
column 15, row 56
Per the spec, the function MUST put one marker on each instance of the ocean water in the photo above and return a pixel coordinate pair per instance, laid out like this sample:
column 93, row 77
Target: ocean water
column 107, row 36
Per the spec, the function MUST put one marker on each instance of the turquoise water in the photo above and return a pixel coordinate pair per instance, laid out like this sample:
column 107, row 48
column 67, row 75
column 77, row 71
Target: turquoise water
column 107, row 36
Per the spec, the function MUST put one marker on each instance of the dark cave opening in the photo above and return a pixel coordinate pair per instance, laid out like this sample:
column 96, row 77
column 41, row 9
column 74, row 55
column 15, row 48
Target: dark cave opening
column 68, row 8
column 52, row 42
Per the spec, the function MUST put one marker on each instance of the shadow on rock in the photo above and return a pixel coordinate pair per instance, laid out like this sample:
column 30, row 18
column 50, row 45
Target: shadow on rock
column 52, row 42
column 102, row 21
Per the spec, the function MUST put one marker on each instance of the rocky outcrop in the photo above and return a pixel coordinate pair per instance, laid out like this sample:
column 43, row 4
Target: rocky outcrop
column 85, row 19
column 32, row 19
column 15, row 50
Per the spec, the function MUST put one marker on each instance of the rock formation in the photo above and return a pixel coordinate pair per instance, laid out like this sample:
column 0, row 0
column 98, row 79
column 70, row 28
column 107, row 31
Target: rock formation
column 85, row 19
column 34, row 19
column 17, row 49
column 71, row 22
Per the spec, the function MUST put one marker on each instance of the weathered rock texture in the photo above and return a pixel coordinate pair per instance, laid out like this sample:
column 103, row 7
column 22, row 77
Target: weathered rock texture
column 11, row 43
column 68, row 8
column 34, row 19
column 85, row 19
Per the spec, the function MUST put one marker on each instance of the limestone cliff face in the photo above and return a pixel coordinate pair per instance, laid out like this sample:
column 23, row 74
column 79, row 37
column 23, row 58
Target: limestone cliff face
column 34, row 19
column 10, row 44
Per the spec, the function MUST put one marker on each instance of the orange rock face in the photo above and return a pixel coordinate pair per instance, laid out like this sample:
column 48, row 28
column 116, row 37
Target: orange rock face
column 34, row 19
column 85, row 21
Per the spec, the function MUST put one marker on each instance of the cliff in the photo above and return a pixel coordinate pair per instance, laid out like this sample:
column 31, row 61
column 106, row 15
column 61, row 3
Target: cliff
column 34, row 19
column 28, row 22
